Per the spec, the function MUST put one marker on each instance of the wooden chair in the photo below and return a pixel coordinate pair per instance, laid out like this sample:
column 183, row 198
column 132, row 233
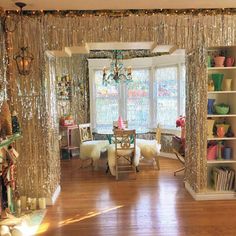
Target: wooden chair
column 178, row 150
column 125, row 151
column 90, row 148
column 150, row 149
column 115, row 124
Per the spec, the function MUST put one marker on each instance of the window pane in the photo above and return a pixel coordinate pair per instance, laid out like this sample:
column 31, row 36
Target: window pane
column 167, row 99
column 106, row 102
column 138, row 99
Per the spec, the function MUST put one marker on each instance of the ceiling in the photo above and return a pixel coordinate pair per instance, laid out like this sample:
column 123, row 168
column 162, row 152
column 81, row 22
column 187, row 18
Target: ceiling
column 117, row 4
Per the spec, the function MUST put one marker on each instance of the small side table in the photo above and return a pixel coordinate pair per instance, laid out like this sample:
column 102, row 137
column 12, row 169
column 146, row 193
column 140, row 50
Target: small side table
column 69, row 145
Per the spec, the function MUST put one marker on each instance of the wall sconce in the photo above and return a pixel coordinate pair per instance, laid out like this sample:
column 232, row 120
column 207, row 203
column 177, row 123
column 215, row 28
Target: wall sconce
column 23, row 58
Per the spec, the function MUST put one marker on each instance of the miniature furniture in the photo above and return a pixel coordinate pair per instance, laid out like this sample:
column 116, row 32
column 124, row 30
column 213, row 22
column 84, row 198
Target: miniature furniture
column 125, row 152
column 150, row 149
column 90, row 148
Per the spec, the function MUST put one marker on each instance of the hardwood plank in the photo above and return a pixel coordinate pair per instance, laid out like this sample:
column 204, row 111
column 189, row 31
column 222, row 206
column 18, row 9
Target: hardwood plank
column 156, row 203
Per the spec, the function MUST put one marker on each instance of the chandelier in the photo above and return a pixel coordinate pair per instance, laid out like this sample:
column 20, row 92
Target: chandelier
column 117, row 71
column 23, row 58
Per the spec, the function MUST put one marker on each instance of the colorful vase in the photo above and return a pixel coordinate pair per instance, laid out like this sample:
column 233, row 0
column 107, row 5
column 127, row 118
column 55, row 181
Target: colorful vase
column 210, row 85
column 212, row 152
column 217, row 79
column 227, row 153
column 220, row 131
column 219, row 61
column 227, row 84
column 229, row 61
column 210, row 125
column 210, row 105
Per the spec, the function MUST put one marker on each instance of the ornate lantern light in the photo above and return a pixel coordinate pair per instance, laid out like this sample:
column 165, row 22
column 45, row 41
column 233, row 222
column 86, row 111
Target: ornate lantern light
column 23, row 58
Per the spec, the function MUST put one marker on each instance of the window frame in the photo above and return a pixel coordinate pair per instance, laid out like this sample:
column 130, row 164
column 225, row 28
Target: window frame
column 150, row 63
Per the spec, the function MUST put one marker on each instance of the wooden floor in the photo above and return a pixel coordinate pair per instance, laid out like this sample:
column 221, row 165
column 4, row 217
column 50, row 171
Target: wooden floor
column 156, row 203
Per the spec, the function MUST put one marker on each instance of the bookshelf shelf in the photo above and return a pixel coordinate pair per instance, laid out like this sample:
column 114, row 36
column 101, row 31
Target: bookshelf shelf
column 221, row 92
column 221, row 139
column 221, row 161
column 216, row 115
column 221, row 68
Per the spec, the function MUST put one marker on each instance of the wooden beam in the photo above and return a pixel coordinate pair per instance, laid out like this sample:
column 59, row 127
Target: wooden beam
column 57, row 53
column 82, row 49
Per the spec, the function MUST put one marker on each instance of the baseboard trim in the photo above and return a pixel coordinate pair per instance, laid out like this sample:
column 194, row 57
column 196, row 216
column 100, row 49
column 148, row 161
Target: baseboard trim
column 210, row 195
column 51, row 200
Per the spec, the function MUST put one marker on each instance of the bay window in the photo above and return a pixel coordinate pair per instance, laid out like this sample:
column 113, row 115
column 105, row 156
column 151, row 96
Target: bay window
column 156, row 94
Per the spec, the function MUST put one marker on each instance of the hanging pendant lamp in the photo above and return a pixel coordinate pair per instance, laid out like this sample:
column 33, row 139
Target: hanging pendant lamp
column 23, row 58
column 117, row 70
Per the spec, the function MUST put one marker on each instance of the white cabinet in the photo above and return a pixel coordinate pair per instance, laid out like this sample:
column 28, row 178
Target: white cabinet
column 221, row 170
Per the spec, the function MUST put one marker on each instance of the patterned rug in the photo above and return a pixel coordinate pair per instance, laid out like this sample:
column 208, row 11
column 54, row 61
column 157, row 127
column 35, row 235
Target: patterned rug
column 31, row 222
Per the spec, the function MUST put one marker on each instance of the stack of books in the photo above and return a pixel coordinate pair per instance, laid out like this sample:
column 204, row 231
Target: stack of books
column 223, row 178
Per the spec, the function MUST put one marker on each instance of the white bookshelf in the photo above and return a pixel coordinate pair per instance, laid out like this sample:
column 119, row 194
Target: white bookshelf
column 226, row 97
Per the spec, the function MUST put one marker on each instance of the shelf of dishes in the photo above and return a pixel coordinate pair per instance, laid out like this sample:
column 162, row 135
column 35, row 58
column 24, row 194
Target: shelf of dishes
column 220, row 138
column 222, row 68
column 218, row 115
column 220, row 161
column 221, row 92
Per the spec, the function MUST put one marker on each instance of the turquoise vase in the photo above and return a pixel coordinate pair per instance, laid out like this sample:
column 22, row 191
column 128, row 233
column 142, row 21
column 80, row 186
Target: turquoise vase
column 217, row 80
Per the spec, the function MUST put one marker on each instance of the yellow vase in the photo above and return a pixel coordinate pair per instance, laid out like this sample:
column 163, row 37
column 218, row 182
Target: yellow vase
column 210, row 125
column 227, row 84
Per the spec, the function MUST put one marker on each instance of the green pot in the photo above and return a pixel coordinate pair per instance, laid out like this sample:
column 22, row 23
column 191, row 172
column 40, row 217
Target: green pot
column 209, row 61
column 217, row 80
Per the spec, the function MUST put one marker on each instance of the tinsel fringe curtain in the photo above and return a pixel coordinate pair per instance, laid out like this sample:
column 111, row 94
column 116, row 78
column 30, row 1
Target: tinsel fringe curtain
column 35, row 100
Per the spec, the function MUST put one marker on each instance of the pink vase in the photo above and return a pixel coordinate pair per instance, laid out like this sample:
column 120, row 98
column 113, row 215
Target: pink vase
column 211, row 152
column 219, row 61
column 229, row 61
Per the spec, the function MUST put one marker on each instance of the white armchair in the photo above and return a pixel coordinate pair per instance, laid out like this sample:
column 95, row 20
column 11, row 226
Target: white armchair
column 90, row 148
column 150, row 149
